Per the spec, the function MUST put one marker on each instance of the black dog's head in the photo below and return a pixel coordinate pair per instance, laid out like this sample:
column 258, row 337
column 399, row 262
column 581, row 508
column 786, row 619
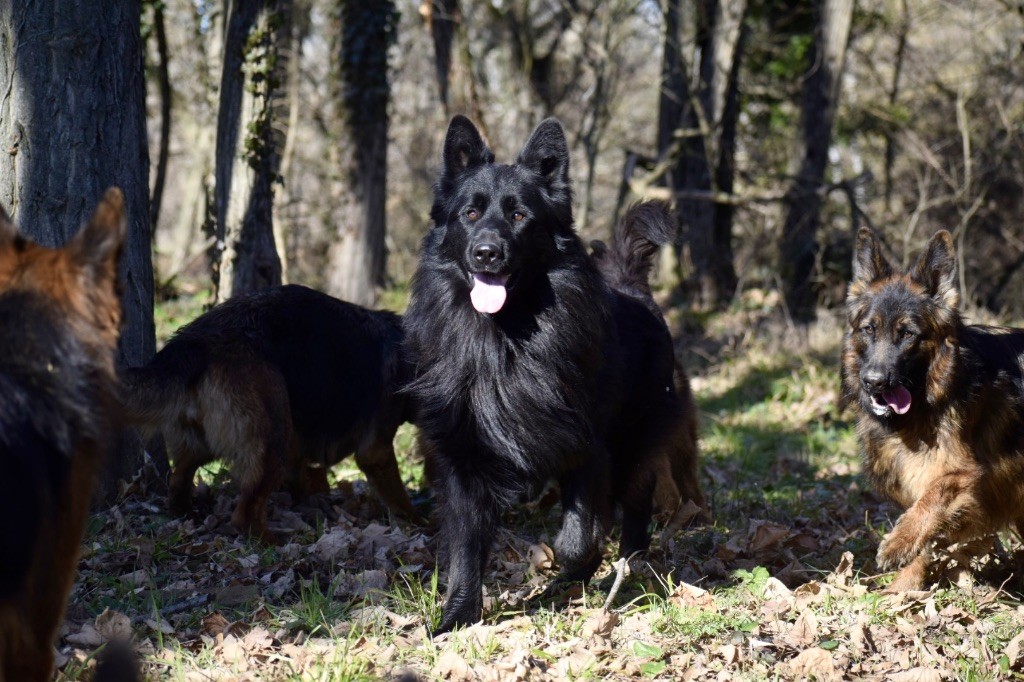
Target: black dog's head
column 501, row 224
column 901, row 325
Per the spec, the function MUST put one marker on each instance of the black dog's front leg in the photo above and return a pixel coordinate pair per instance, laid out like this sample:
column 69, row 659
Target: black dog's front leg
column 468, row 523
column 586, row 516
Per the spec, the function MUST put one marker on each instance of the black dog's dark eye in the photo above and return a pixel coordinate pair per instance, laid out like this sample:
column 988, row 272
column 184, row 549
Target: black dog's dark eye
column 472, row 214
column 868, row 329
column 518, row 217
column 906, row 334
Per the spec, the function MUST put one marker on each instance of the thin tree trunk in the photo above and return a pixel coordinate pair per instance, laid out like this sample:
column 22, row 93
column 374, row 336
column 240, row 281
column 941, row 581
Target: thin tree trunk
column 72, row 123
column 820, row 95
column 247, row 165
column 707, row 153
column 356, row 262
column 442, row 17
column 164, row 85
column 283, row 209
column 897, row 70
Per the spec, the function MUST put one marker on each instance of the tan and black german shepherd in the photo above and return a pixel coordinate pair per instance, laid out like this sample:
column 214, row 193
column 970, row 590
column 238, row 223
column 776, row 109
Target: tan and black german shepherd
column 941, row 405
column 273, row 382
column 60, row 316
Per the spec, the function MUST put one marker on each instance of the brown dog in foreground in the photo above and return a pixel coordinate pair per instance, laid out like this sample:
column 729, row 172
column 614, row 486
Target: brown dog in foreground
column 941, row 405
column 273, row 382
column 59, row 324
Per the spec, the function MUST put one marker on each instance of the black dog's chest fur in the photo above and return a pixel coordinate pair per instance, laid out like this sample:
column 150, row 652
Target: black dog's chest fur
column 513, row 394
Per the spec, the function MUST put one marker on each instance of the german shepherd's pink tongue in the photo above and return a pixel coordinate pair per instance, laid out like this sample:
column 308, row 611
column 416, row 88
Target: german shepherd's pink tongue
column 898, row 398
column 488, row 294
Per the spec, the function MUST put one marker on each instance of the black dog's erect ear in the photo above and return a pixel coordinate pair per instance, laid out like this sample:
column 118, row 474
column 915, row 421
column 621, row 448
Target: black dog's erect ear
column 868, row 262
column 936, row 270
column 463, row 148
column 547, row 154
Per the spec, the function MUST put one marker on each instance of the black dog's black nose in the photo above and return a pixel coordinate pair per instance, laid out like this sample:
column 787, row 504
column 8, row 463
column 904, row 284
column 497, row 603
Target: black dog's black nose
column 873, row 382
column 486, row 253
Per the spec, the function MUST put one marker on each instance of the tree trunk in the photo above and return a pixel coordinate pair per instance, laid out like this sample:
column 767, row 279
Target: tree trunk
column 247, row 165
column 72, row 123
column 821, row 91
column 703, row 141
column 164, row 84
column 356, row 262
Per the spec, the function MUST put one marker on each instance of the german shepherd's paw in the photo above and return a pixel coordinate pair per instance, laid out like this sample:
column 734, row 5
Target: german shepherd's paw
column 899, row 548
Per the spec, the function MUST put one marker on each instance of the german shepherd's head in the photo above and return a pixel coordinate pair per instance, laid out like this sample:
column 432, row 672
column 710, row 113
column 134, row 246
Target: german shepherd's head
column 902, row 333
column 499, row 224
column 79, row 279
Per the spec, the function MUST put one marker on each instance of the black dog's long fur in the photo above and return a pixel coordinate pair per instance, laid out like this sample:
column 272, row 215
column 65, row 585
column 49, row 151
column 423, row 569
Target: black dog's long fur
column 570, row 379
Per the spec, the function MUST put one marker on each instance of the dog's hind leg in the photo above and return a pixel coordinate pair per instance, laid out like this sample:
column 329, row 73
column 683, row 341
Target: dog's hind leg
column 262, row 446
column 188, row 454
column 377, row 461
column 637, row 511
column 259, row 480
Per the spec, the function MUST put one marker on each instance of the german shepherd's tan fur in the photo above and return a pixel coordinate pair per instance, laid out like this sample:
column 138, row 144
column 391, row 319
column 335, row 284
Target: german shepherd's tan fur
column 941, row 406
column 59, row 324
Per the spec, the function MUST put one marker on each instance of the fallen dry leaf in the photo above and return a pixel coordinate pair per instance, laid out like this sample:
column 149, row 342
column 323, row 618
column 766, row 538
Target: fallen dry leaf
column 814, row 663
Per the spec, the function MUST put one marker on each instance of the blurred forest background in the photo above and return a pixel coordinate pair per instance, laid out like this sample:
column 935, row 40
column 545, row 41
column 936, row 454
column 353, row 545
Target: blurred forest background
column 777, row 127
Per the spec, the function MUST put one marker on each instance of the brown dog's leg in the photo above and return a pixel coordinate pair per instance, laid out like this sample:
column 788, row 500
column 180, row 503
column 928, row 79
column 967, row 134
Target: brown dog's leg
column 911, row 576
column 377, row 461
column 948, row 510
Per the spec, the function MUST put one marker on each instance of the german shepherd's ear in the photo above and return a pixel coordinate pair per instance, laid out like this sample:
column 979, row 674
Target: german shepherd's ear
column 936, row 270
column 463, row 148
column 869, row 264
column 547, row 154
column 97, row 246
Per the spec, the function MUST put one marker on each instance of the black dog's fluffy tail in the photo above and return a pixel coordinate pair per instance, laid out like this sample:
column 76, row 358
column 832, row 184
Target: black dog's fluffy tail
column 626, row 263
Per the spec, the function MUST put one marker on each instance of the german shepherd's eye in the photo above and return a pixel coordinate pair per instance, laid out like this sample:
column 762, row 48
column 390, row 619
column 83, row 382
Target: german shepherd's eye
column 869, row 330
column 518, row 216
column 472, row 214
column 906, row 334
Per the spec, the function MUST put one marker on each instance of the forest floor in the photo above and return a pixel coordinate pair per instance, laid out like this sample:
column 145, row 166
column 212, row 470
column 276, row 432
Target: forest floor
column 782, row 584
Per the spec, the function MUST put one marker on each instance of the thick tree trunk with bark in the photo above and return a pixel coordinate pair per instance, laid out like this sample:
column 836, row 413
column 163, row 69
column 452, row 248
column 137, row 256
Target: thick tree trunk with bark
column 799, row 247
column 356, row 262
column 72, row 123
column 248, row 147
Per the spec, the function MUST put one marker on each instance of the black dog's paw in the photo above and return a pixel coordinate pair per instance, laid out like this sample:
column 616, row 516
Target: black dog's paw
column 460, row 610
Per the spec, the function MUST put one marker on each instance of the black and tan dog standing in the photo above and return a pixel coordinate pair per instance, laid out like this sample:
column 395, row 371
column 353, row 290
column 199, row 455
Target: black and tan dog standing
column 940, row 402
column 273, row 382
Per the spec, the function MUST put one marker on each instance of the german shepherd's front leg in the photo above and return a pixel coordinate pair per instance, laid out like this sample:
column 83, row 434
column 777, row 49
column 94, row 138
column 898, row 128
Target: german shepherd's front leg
column 468, row 522
column 948, row 510
column 586, row 516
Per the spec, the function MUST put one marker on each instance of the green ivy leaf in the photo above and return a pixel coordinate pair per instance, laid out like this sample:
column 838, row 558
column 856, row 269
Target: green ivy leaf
column 647, row 650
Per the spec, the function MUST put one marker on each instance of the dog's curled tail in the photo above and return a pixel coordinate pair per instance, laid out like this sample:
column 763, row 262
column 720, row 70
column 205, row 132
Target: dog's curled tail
column 627, row 262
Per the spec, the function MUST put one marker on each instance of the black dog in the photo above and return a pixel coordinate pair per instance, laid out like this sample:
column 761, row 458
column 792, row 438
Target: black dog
column 529, row 365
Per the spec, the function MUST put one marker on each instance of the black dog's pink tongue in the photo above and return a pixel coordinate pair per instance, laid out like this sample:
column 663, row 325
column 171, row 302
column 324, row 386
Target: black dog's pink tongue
column 488, row 294
column 898, row 398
